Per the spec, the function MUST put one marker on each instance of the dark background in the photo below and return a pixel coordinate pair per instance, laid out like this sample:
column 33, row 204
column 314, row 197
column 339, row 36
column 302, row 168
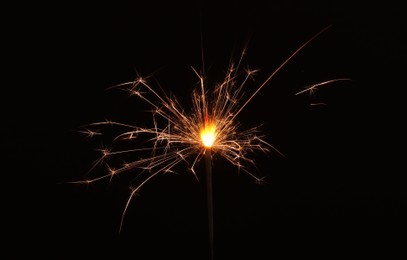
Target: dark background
column 343, row 160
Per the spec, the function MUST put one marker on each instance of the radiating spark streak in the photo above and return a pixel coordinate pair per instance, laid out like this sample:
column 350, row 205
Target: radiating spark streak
column 89, row 181
column 318, row 104
column 107, row 122
column 130, row 198
column 165, row 168
column 269, row 145
column 313, row 87
column 209, row 126
column 279, row 68
column 89, row 132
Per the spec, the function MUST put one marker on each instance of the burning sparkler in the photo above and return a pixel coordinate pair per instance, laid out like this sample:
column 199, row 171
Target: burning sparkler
column 209, row 129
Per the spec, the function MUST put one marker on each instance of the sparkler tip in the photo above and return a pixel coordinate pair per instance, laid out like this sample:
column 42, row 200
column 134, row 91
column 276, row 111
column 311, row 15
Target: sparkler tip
column 208, row 135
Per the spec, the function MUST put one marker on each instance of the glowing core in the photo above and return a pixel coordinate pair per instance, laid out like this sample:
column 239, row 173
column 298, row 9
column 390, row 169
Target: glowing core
column 208, row 135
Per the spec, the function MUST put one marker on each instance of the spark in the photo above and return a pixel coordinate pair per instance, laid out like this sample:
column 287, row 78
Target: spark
column 314, row 87
column 181, row 136
column 208, row 135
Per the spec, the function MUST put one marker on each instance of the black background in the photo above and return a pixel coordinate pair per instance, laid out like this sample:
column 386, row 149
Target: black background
column 343, row 160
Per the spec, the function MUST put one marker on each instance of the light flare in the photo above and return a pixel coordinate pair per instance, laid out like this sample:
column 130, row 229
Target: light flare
column 185, row 136
column 208, row 134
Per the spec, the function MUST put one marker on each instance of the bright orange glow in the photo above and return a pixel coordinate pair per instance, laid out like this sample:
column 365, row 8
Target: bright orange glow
column 208, row 135
column 181, row 135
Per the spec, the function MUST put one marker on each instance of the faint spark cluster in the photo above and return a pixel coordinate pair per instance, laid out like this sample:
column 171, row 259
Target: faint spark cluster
column 184, row 136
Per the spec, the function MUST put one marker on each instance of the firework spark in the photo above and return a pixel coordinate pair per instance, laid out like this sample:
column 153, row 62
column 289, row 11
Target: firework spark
column 178, row 136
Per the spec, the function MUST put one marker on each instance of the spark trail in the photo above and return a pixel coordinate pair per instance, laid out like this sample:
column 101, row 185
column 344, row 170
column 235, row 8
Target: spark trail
column 209, row 129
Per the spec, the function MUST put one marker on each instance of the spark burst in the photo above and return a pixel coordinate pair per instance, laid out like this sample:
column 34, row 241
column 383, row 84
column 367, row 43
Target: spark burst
column 209, row 129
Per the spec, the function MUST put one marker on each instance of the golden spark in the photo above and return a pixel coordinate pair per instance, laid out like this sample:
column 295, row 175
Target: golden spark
column 210, row 127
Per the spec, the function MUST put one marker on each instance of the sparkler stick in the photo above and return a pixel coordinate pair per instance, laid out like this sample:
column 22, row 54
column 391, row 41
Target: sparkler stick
column 208, row 161
column 208, row 128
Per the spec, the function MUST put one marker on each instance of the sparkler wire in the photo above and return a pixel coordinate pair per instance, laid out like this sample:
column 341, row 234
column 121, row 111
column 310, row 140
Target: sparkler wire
column 208, row 162
column 210, row 129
